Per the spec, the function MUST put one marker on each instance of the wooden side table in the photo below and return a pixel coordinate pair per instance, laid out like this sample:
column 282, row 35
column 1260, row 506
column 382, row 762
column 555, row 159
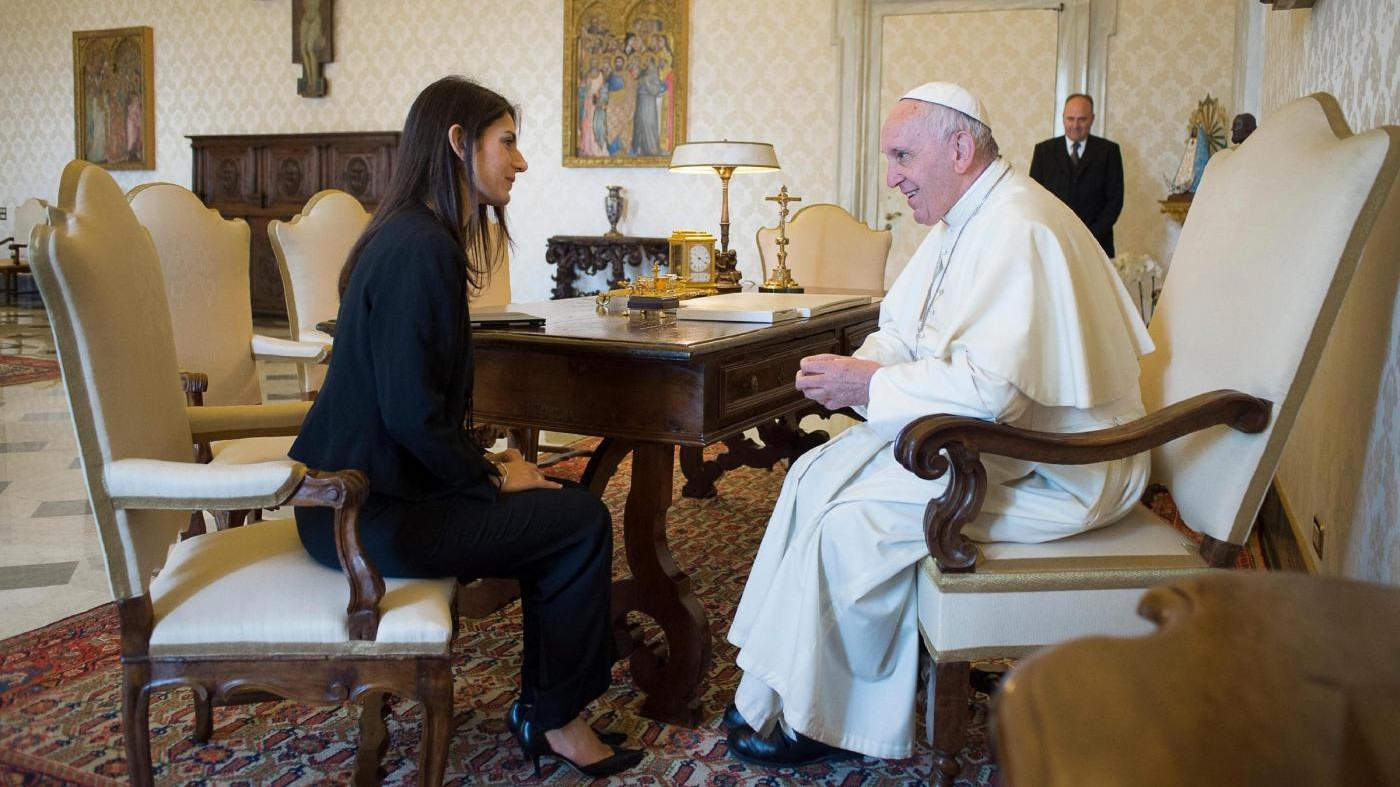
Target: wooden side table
column 573, row 255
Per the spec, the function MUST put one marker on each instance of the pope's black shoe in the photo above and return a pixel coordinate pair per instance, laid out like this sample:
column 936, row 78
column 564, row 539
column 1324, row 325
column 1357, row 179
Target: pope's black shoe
column 732, row 718
column 778, row 750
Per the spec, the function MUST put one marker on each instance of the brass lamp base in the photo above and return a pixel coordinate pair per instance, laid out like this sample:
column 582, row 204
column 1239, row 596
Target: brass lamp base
column 773, row 286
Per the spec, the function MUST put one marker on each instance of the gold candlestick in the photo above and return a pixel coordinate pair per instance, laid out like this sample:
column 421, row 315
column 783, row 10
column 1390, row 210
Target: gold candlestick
column 781, row 280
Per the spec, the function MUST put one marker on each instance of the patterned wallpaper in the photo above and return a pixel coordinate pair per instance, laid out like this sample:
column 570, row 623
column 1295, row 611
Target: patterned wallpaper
column 1158, row 70
column 1342, row 462
column 1019, row 92
column 225, row 67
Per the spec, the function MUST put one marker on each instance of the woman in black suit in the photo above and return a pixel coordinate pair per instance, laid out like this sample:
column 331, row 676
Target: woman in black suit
column 396, row 404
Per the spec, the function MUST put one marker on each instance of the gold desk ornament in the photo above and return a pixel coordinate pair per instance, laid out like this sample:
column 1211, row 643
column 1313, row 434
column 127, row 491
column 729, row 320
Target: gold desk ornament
column 691, row 257
column 781, row 280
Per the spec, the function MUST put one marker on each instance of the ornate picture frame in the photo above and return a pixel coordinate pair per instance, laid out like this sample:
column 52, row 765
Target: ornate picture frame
column 615, row 53
column 114, row 98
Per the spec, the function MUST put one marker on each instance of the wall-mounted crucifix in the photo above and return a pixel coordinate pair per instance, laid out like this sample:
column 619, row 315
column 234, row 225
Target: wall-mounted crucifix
column 311, row 44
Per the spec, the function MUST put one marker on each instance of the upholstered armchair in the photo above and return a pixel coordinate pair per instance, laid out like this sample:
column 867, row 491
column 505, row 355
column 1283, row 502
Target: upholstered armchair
column 1250, row 679
column 1259, row 273
column 236, row 613
column 311, row 249
column 28, row 215
column 828, row 247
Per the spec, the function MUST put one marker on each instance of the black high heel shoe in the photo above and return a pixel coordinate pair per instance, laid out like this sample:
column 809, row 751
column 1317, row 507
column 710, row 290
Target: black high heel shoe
column 534, row 744
column 516, row 712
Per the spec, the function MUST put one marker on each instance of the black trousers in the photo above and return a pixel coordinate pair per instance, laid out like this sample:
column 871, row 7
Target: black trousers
column 556, row 542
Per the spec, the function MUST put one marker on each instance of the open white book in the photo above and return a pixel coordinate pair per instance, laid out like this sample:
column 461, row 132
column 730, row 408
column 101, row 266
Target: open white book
column 764, row 306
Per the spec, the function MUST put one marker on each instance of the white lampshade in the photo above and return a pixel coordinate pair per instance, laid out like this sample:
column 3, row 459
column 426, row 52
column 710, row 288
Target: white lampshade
column 704, row 157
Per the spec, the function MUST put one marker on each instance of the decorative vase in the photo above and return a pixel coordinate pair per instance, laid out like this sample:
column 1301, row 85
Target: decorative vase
column 613, row 204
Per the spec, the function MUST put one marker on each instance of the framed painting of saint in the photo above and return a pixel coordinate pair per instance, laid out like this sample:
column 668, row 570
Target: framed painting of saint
column 624, row 81
column 114, row 99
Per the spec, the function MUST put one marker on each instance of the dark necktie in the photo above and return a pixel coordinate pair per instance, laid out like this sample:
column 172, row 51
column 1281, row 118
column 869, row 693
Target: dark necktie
column 1074, row 154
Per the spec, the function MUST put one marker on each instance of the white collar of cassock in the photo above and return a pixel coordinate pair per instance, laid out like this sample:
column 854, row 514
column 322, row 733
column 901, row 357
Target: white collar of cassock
column 972, row 199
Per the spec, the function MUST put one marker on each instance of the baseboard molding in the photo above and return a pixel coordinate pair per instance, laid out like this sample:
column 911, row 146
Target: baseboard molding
column 1279, row 534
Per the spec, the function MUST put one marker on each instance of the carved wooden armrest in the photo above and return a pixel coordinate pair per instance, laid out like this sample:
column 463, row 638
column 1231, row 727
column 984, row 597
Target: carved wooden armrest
column 194, row 384
column 345, row 491
column 922, row 446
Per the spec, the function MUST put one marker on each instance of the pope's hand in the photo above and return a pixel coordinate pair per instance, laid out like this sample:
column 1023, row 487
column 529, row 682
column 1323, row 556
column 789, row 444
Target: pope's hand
column 835, row 381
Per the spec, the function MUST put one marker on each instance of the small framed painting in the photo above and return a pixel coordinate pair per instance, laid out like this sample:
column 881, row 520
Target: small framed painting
column 624, row 81
column 114, row 101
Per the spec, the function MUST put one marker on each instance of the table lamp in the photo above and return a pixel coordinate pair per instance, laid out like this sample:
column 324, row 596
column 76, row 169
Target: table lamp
column 724, row 158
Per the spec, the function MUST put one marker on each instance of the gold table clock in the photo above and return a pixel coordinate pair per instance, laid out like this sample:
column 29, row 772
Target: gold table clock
column 692, row 258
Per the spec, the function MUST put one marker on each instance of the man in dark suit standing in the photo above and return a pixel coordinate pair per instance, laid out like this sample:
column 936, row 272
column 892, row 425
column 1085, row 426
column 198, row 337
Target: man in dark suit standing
column 1084, row 171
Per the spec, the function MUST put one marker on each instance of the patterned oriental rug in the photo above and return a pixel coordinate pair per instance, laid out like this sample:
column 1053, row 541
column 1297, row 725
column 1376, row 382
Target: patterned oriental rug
column 60, row 712
column 16, row 369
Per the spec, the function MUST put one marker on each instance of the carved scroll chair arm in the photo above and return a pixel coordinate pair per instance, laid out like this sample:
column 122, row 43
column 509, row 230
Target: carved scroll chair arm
column 934, row 445
column 346, row 491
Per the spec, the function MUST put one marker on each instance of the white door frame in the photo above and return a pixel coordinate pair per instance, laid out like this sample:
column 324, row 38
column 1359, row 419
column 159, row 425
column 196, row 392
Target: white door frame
column 1081, row 67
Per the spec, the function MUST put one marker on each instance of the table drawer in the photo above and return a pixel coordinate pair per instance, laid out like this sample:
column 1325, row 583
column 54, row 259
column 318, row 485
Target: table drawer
column 758, row 381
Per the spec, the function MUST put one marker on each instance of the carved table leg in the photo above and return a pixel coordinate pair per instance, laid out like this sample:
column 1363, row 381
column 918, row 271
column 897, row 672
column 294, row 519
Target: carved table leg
column 782, row 439
column 670, row 672
column 603, row 464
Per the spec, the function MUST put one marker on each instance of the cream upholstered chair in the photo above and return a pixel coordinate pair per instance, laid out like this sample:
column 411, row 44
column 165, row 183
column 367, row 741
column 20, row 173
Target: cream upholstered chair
column 242, row 610
column 1265, row 256
column 310, row 250
column 828, row 247
column 28, row 215
column 204, row 261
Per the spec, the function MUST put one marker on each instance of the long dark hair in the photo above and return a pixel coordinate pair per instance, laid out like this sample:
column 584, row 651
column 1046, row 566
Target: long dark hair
column 425, row 173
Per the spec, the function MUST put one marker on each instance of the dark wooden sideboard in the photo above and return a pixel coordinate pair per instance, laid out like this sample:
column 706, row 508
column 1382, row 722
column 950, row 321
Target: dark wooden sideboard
column 261, row 177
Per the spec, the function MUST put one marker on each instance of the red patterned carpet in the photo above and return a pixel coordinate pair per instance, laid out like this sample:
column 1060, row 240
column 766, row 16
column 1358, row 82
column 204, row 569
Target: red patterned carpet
column 16, row 369
column 60, row 709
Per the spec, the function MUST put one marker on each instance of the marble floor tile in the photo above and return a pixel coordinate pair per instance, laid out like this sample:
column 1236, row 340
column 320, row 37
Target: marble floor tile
column 36, row 575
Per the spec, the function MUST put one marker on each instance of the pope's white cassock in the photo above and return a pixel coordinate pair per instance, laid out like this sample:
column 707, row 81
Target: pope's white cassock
column 1009, row 312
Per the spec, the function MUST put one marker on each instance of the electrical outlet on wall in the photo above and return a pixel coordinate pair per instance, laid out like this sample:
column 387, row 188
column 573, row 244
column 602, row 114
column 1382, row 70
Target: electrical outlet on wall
column 4, row 213
column 1319, row 535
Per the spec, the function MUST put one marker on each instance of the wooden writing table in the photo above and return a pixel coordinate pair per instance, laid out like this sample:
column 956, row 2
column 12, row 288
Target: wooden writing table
column 645, row 390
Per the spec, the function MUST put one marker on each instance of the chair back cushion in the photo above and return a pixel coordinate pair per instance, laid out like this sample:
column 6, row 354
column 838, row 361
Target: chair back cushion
column 311, row 249
column 497, row 292
column 204, row 260
column 29, row 214
column 98, row 274
column 828, row 247
column 1265, row 256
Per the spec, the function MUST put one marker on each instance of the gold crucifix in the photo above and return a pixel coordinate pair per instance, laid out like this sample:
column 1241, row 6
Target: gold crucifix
column 782, row 281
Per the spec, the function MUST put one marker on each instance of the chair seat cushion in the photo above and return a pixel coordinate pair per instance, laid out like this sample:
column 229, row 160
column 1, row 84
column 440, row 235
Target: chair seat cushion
column 254, row 590
column 1023, row 596
column 248, row 450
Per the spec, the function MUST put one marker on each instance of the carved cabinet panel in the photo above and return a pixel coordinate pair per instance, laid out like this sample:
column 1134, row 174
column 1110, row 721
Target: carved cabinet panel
column 262, row 177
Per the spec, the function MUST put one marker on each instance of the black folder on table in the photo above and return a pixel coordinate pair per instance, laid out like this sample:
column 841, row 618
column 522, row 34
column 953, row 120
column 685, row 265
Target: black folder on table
column 506, row 320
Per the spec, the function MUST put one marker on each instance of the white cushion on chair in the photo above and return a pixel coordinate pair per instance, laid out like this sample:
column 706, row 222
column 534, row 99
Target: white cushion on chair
column 250, row 450
column 1023, row 596
column 254, row 589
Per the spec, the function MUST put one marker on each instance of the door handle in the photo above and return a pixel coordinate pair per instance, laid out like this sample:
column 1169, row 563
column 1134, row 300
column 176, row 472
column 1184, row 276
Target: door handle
column 890, row 217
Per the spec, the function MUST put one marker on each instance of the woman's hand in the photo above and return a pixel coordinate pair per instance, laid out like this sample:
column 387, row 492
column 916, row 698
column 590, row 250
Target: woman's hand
column 519, row 475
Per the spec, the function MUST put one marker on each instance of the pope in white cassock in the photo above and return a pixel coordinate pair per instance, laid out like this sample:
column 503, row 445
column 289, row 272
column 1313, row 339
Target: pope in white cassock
column 1009, row 312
